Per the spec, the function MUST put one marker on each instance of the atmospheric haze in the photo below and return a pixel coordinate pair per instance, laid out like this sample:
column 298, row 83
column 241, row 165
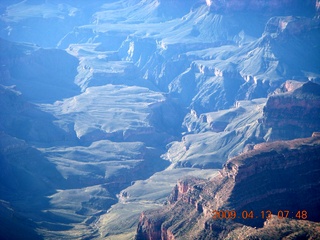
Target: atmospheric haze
column 135, row 119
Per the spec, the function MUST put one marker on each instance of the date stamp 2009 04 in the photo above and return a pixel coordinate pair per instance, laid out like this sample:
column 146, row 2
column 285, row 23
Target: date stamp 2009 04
column 264, row 214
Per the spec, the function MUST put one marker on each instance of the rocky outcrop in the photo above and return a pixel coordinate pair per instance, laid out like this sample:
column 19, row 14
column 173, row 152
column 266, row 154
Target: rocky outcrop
column 288, row 86
column 293, row 114
column 276, row 228
column 274, row 176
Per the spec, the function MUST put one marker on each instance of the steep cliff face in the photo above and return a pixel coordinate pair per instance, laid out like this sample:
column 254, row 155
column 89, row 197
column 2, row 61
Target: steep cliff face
column 294, row 113
column 277, row 228
column 276, row 176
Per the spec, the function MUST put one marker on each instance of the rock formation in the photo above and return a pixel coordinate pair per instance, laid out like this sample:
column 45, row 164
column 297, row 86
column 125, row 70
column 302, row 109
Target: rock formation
column 294, row 113
column 273, row 176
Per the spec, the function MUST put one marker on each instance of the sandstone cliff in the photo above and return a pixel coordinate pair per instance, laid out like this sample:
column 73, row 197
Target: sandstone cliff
column 276, row 176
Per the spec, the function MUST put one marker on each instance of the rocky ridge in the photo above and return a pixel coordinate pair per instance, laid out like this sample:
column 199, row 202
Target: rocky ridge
column 274, row 176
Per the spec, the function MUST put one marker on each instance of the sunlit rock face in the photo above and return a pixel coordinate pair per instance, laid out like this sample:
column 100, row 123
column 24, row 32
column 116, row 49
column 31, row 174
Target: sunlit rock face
column 250, row 182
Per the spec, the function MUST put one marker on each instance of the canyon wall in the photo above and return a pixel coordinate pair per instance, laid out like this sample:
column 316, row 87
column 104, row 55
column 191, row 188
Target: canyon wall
column 293, row 114
column 273, row 176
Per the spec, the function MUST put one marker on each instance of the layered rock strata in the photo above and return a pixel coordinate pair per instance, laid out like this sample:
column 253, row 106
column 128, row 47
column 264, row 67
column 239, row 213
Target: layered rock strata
column 295, row 113
column 275, row 177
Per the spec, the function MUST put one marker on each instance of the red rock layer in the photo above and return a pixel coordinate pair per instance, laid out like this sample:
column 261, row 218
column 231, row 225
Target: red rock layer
column 276, row 176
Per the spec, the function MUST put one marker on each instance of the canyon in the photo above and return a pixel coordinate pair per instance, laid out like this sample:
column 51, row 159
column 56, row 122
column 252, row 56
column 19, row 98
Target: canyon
column 131, row 119
column 259, row 179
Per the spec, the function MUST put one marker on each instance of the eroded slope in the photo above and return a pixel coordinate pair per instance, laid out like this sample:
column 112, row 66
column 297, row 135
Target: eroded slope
column 274, row 176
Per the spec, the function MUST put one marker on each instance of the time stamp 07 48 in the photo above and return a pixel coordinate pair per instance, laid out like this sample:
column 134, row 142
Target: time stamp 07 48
column 265, row 214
